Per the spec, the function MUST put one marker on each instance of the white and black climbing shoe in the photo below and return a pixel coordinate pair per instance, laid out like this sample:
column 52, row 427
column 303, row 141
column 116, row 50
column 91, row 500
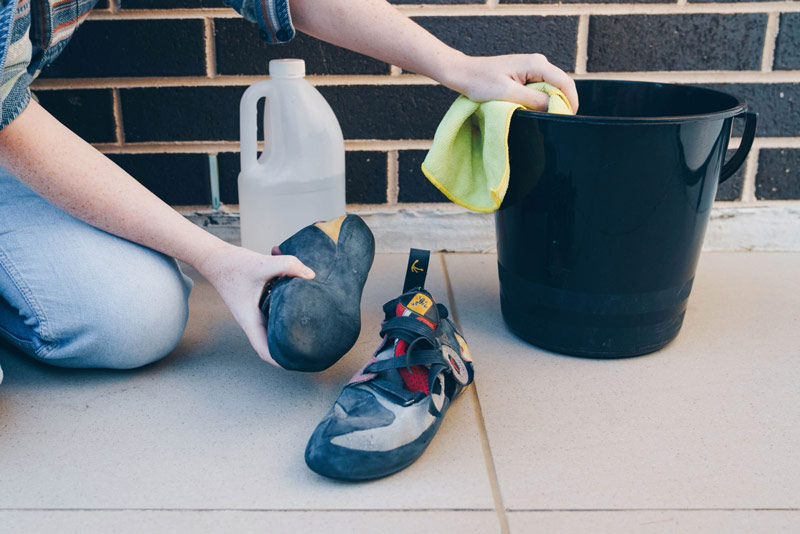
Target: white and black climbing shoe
column 387, row 415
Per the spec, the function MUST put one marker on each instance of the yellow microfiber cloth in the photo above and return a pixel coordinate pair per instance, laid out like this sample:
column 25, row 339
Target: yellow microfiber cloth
column 468, row 160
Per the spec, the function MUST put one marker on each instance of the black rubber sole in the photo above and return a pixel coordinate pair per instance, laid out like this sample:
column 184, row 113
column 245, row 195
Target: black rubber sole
column 311, row 324
column 341, row 463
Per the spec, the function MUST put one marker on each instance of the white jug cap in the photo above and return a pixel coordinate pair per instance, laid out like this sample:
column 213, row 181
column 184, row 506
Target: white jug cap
column 287, row 68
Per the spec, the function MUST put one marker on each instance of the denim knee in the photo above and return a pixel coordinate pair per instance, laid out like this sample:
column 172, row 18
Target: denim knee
column 133, row 318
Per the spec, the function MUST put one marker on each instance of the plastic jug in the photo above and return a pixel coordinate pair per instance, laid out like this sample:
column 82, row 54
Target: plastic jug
column 299, row 177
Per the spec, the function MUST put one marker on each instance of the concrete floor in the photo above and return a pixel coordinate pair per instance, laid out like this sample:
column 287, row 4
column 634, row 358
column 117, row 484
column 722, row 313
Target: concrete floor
column 701, row 436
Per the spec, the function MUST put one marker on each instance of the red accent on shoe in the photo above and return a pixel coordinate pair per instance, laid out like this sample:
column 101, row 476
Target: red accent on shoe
column 415, row 377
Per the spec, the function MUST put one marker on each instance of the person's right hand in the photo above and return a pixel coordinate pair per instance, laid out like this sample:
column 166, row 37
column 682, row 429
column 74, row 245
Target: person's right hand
column 239, row 276
column 504, row 78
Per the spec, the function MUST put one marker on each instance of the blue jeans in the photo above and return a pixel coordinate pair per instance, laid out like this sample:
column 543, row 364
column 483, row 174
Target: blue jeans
column 75, row 296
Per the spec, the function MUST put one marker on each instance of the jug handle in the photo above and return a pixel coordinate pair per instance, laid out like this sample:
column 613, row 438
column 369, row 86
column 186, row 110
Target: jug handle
column 750, row 121
column 248, row 127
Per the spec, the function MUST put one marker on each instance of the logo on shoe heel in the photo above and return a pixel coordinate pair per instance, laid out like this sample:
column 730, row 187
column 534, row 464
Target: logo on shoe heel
column 420, row 304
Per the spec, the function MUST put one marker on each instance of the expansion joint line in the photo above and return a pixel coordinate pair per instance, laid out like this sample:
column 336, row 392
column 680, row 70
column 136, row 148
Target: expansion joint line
column 491, row 469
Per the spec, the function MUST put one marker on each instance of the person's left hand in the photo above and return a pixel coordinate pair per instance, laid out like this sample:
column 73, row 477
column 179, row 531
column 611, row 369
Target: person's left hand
column 504, row 78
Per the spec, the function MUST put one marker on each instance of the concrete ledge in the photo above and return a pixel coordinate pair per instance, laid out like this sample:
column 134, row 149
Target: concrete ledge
column 764, row 228
column 774, row 227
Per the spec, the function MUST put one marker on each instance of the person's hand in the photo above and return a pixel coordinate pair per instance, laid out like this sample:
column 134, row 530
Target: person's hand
column 239, row 276
column 504, row 78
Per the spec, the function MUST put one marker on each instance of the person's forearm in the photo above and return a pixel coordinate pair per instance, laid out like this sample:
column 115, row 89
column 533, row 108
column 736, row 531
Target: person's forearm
column 377, row 29
column 74, row 176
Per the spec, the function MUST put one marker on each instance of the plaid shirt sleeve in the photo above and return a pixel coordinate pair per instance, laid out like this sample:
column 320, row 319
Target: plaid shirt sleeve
column 272, row 16
column 15, row 56
column 32, row 34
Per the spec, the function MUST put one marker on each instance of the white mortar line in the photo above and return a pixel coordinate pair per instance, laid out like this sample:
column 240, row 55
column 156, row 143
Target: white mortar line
column 207, row 147
column 750, row 173
column 698, row 76
column 179, row 147
column 392, row 176
column 770, row 38
column 682, row 2
column 752, row 76
column 768, row 142
column 210, row 48
column 185, row 13
column 224, row 80
column 596, row 9
column 582, row 45
column 387, row 144
column 394, row 70
column 491, row 4
column 483, row 10
column 356, row 145
column 193, row 209
column 777, row 142
column 116, row 105
column 114, row 6
column 758, row 204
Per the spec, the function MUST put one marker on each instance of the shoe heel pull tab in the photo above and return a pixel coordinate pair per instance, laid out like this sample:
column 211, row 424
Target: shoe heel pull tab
column 417, row 269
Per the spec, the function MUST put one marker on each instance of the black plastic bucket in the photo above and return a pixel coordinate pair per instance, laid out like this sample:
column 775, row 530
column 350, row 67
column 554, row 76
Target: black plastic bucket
column 600, row 231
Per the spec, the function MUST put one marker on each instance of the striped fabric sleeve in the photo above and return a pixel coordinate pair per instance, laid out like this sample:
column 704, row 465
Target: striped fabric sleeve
column 272, row 16
column 15, row 56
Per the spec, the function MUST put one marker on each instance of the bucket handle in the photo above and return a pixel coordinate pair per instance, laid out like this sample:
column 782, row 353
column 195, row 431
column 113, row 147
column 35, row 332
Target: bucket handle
column 750, row 120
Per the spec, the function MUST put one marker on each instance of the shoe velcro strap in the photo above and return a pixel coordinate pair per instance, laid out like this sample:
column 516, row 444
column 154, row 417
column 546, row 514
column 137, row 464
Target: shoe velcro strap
column 396, row 326
column 417, row 357
column 405, row 397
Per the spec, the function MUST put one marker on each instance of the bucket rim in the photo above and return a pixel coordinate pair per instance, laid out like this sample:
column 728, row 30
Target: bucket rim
column 738, row 109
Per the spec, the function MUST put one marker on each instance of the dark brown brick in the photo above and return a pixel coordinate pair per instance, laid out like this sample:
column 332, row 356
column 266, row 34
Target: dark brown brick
column 87, row 112
column 778, row 106
column 731, row 189
column 365, row 173
column 778, row 174
column 587, row 1
column 389, row 112
column 787, row 47
column 437, row 1
column 104, row 48
column 240, row 50
column 552, row 36
column 178, row 179
column 181, row 113
column 229, row 168
column 212, row 113
column 413, row 186
column 676, row 42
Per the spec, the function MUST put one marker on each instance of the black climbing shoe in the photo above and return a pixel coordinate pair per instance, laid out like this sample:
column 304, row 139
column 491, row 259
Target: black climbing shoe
column 311, row 324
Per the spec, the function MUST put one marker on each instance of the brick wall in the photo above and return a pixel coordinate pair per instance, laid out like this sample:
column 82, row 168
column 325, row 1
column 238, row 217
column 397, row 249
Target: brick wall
column 155, row 84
